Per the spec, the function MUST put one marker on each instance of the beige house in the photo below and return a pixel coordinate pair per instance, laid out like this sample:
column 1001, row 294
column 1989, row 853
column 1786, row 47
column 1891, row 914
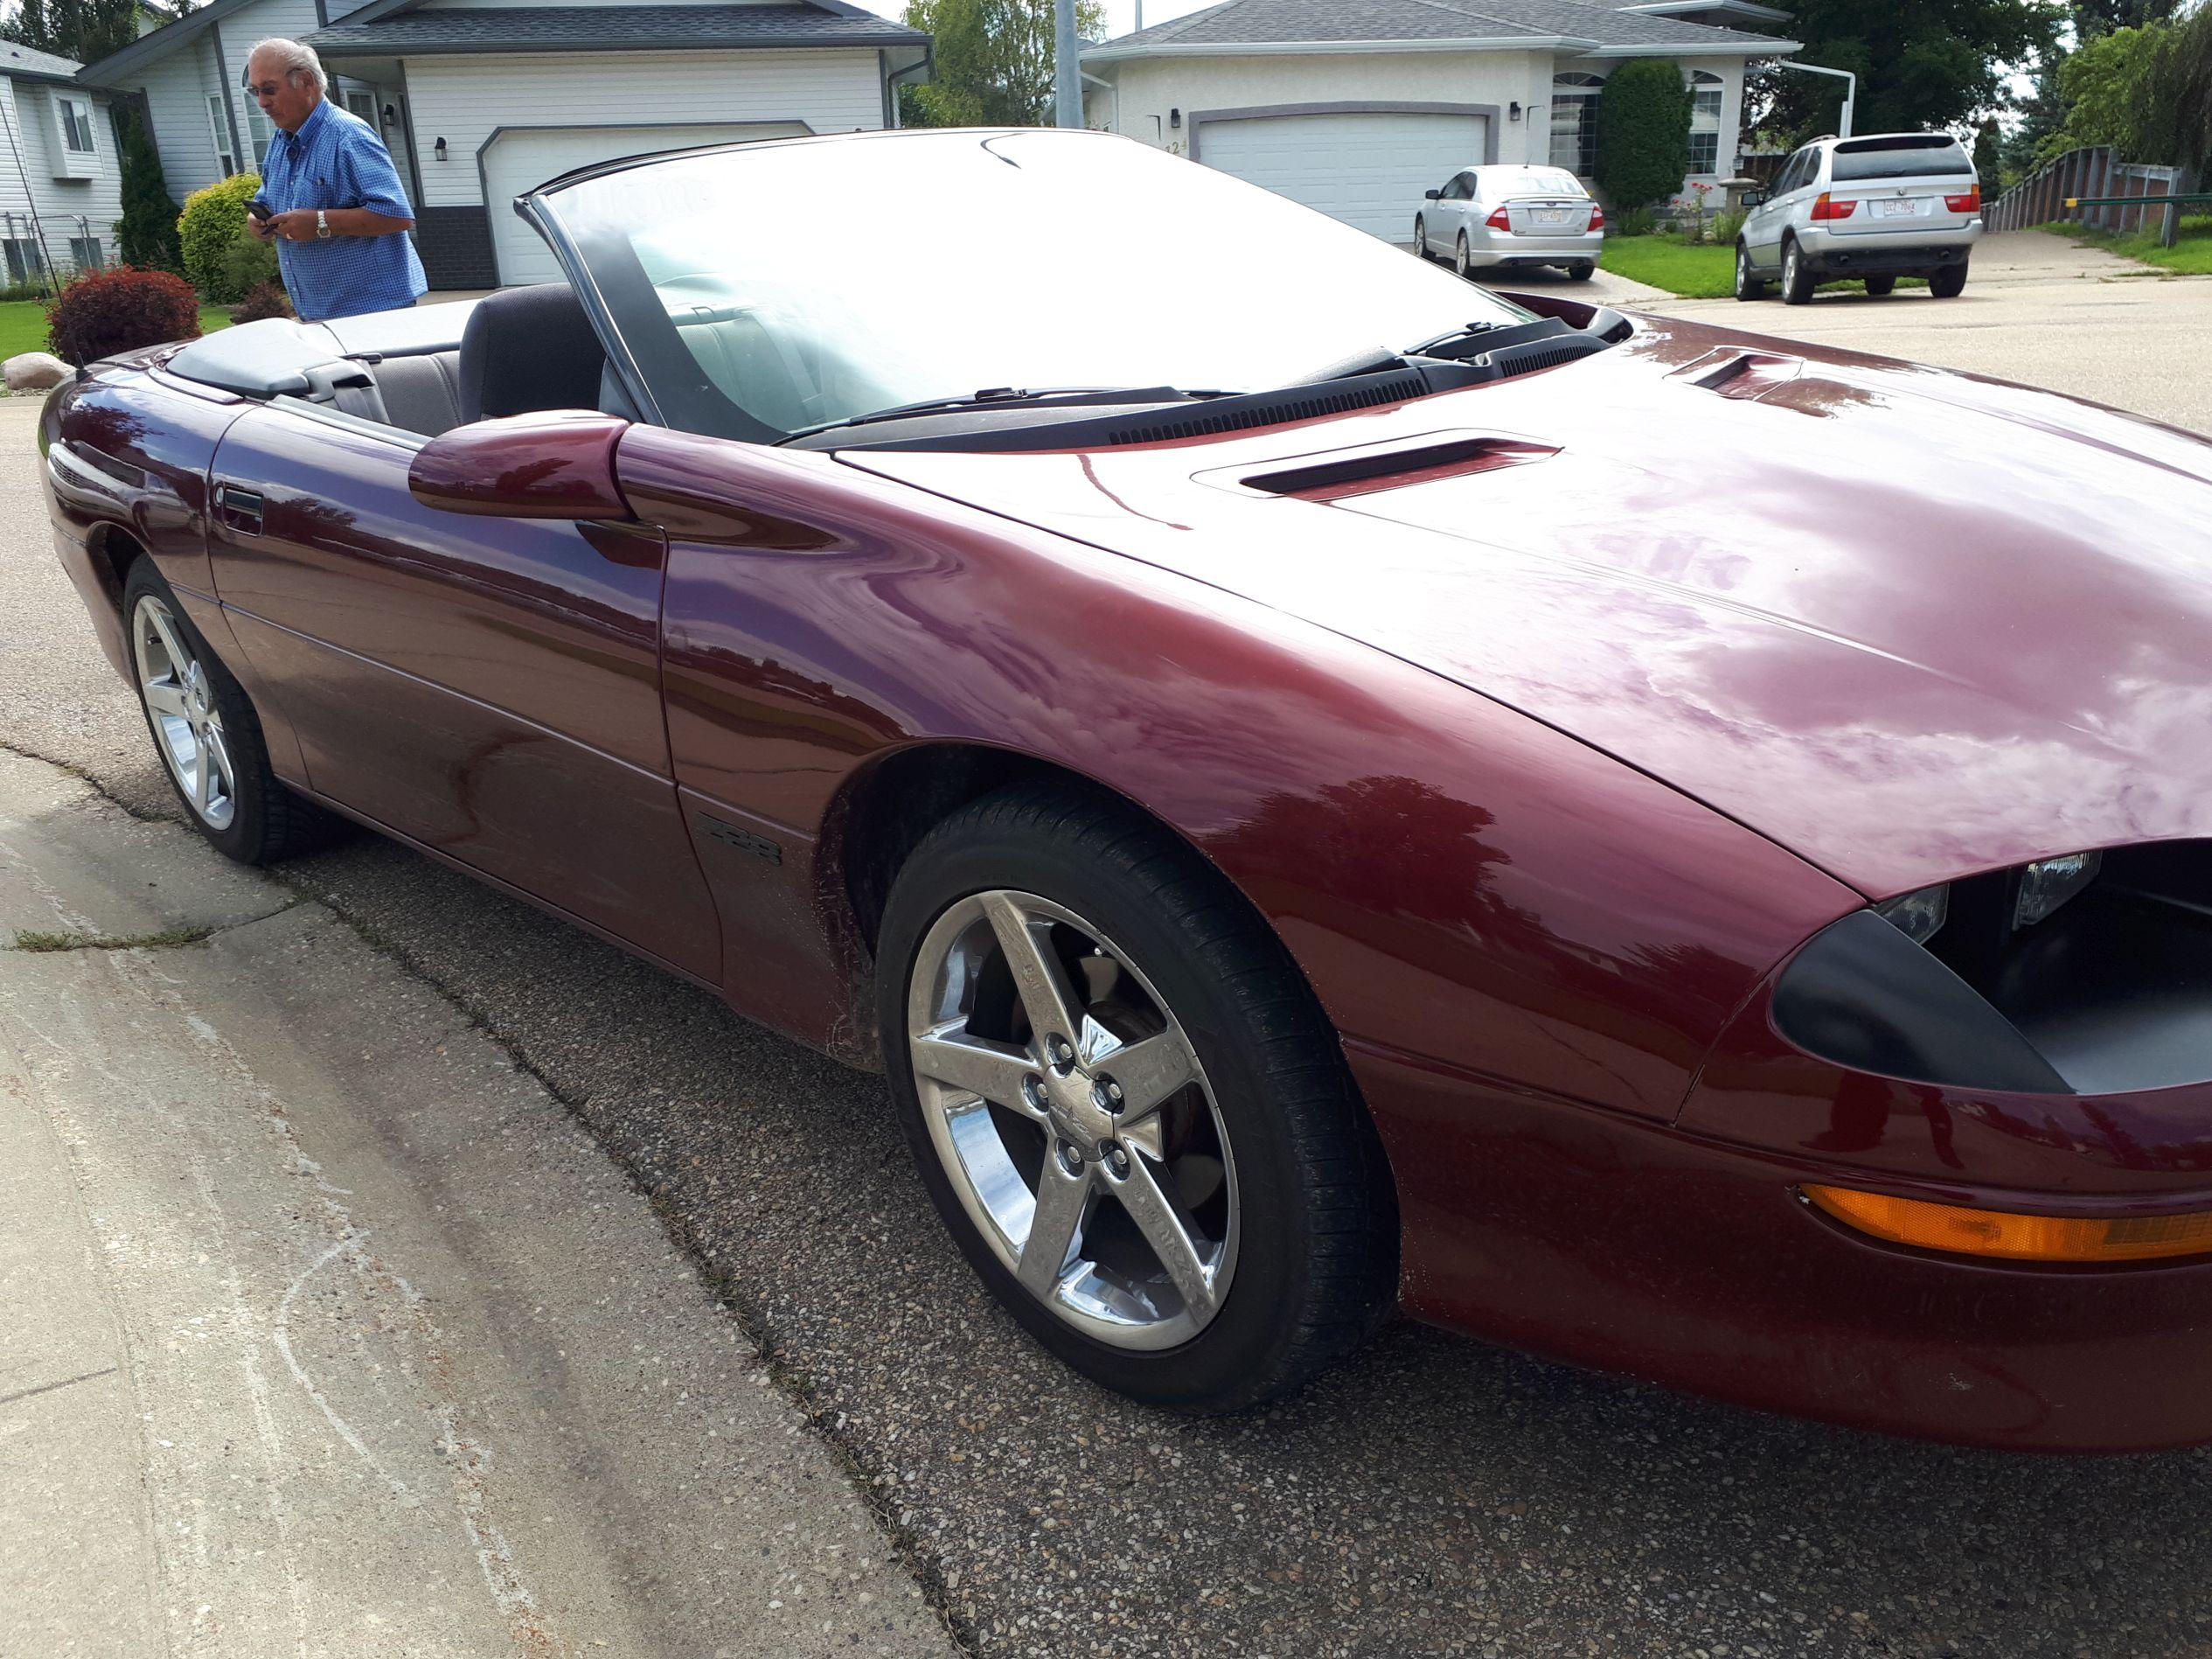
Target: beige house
column 1355, row 107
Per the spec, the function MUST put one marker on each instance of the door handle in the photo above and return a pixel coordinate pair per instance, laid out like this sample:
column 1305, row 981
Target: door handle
column 240, row 509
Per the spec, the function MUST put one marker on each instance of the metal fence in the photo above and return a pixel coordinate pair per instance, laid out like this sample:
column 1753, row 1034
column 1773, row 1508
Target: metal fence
column 2041, row 198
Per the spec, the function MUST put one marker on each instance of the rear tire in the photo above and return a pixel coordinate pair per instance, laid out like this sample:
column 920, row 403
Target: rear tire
column 1948, row 282
column 1797, row 275
column 1881, row 287
column 1280, row 1186
column 1460, row 265
column 207, row 736
column 1747, row 287
column 1582, row 270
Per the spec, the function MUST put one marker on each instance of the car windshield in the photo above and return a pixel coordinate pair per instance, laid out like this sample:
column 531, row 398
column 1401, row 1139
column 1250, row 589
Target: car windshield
column 1529, row 181
column 769, row 289
column 1899, row 158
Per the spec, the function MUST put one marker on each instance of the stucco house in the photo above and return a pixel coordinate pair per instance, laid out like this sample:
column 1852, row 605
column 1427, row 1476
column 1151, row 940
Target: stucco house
column 1355, row 107
column 480, row 100
column 60, row 179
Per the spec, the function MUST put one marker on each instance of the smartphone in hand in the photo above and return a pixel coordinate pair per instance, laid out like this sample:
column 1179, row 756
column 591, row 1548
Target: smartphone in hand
column 260, row 209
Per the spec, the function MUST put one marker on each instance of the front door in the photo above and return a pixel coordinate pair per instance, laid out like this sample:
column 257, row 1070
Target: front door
column 489, row 688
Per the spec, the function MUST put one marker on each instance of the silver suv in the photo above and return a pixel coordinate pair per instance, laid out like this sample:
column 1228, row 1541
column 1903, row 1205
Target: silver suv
column 1895, row 205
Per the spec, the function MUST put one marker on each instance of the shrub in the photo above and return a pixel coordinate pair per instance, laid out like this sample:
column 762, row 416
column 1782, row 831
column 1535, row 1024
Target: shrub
column 1729, row 226
column 146, row 234
column 262, row 301
column 212, row 221
column 104, row 312
column 1636, row 222
column 1643, row 132
column 248, row 263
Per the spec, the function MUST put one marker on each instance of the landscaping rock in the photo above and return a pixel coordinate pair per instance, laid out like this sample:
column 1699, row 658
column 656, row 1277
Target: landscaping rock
column 34, row 371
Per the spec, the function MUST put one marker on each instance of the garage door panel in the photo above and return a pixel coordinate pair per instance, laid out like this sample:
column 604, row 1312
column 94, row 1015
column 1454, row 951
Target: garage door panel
column 521, row 159
column 1367, row 169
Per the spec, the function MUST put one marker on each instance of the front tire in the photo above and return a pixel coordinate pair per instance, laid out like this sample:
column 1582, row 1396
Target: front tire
column 1748, row 286
column 1947, row 283
column 1088, row 1033
column 1420, row 238
column 1581, row 270
column 1797, row 275
column 207, row 734
column 1882, row 287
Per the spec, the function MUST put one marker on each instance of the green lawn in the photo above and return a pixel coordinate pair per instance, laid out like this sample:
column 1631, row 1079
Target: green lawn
column 23, row 325
column 2192, row 256
column 1696, row 271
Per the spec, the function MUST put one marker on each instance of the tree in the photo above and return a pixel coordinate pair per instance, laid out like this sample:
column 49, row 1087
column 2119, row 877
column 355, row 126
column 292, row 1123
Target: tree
column 146, row 234
column 84, row 29
column 2145, row 92
column 1643, row 133
column 992, row 61
column 2094, row 18
column 1922, row 66
column 1988, row 158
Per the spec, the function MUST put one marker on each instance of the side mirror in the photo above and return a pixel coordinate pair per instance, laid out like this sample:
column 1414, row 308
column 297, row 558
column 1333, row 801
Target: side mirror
column 1432, row 195
column 556, row 465
column 1757, row 198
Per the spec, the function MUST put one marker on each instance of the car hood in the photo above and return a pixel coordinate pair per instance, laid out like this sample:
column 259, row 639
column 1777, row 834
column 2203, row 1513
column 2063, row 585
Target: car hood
column 1908, row 623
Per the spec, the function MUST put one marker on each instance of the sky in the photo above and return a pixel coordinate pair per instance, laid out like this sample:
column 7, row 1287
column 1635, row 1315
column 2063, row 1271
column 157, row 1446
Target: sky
column 1121, row 15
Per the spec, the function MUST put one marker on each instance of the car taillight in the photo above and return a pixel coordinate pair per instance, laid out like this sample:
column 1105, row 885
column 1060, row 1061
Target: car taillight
column 1596, row 217
column 1829, row 207
column 1970, row 202
column 1499, row 221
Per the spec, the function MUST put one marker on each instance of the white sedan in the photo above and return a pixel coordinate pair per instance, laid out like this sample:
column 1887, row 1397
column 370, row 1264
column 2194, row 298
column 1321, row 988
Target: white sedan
column 1507, row 215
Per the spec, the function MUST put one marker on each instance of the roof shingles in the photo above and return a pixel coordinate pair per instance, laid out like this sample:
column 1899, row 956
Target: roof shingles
column 609, row 28
column 1269, row 22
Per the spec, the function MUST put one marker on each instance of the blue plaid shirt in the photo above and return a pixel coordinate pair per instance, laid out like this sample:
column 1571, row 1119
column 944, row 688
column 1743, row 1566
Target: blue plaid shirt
column 334, row 160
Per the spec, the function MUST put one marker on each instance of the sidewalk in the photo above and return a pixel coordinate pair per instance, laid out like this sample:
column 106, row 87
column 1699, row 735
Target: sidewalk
column 331, row 1333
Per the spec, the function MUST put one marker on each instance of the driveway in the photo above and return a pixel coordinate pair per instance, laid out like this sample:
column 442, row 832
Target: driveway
column 2037, row 309
column 1435, row 1497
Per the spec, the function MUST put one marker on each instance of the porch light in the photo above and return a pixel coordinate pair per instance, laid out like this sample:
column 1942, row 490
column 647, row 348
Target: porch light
column 1512, row 112
column 439, row 150
column 2003, row 1234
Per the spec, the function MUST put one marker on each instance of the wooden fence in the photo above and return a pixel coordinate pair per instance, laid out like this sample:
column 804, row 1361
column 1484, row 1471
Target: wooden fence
column 2041, row 198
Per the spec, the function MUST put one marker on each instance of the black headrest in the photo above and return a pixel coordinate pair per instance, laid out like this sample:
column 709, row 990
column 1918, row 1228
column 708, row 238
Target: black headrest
column 526, row 349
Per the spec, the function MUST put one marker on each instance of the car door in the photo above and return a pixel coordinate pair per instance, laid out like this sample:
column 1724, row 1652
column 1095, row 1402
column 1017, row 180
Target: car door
column 1763, row 229
column 487, row 686
column 1459, row 196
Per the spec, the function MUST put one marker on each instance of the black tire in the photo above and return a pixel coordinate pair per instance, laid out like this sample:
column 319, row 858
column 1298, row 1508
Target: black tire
column 1582, row 270
column 1421, row 236
column 1881, row 287
column 1460, row 268
column 1747, row 287
column 1316, row 1266
column 1798, row 281
column 1948, row 282
column 266, row 821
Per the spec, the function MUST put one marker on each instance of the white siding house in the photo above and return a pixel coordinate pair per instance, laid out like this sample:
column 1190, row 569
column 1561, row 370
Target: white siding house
column 479, row 100
column 60, row 178
column 1355, row 107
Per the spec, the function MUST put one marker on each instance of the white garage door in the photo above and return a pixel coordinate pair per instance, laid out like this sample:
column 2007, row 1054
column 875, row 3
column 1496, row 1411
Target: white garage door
column 520, row 160
column 1367, row 169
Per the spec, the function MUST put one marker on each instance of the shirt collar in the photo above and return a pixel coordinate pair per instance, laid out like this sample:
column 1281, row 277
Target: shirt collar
column 307, row 127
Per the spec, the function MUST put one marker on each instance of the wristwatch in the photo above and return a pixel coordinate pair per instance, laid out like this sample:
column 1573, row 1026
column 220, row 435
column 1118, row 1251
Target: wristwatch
column 322, row 226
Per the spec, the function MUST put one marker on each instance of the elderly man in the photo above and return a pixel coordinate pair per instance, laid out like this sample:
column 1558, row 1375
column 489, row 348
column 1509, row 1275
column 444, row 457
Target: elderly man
column 336, row 210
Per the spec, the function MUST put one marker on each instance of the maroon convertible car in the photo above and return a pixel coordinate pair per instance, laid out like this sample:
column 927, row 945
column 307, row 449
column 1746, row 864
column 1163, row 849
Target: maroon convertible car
column 1321, row 786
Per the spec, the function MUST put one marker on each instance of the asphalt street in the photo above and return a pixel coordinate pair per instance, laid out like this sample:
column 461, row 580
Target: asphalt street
column 1437, row 1495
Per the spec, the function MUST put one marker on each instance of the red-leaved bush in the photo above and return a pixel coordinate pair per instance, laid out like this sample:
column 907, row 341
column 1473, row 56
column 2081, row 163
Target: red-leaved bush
column 262, row 301
column 104, row 312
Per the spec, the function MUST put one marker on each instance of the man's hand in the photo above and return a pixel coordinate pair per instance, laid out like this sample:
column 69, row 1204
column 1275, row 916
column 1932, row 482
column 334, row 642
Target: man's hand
column 298, row 225
column 263, row 229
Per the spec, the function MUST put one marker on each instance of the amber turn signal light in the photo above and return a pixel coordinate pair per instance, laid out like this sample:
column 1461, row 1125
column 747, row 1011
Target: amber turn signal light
column 2014, row 1237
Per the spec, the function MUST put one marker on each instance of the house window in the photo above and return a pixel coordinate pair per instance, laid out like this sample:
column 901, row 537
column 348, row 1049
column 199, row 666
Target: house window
column 363, row 105
column 84, row 253
column 1574, row 122
column 219, row 127
column 76, row 125
column 259, row 133
column 1705, row 123
column 24, row 262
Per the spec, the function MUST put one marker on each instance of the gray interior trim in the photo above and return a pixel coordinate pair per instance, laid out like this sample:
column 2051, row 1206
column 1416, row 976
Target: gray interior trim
column 246, row 158
column 399, row 437
column 1196, row 120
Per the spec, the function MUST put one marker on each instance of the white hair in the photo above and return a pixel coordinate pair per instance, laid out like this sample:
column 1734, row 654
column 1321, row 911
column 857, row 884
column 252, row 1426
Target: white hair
column 294, row 59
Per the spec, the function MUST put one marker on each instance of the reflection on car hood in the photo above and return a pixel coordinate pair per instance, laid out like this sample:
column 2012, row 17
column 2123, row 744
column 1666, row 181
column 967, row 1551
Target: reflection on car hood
column 1906, row 622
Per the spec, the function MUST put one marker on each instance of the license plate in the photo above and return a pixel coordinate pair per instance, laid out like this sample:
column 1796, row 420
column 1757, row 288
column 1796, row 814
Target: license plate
column 1908, row 208
column 1551, row 215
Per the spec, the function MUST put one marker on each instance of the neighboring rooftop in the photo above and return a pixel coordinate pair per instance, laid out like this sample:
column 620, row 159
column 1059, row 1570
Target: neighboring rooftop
column 1590, row 25
column 610, row 28
column 35, row 66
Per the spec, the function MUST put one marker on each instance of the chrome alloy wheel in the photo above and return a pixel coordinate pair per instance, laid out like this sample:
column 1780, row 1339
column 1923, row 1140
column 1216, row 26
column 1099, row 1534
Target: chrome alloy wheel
column 1074, row 1119
column 187, row 723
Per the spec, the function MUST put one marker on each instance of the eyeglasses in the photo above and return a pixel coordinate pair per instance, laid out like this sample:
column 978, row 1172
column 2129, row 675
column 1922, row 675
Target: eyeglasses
column 267, row 89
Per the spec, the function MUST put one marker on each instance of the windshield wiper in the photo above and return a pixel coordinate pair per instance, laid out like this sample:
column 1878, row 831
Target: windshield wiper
column 992, row 397
column 1382, row 358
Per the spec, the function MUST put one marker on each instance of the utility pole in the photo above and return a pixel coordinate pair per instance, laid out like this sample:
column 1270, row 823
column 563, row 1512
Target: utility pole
column 1067, row 81
column 1850, row 89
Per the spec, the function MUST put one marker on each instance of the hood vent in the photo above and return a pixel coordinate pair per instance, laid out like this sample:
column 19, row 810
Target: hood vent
column 1363, row 473
column 1743, row 375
